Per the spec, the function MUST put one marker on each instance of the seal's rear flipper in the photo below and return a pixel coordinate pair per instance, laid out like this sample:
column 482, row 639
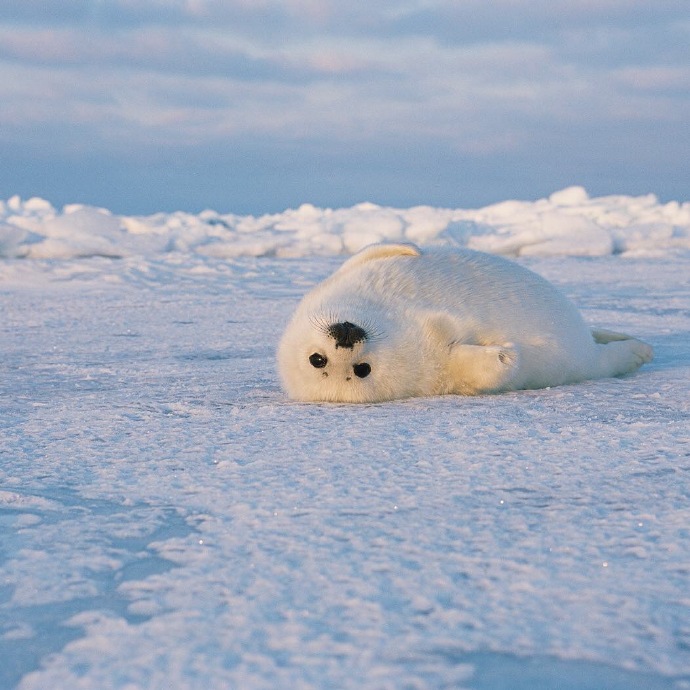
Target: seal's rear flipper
column 475, row 369
column 380, row 251
column 602, row 336
column 622, row 356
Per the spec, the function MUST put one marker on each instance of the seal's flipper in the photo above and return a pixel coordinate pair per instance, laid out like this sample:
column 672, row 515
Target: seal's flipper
column 602, row 336
column 619, row 357
column 475, row 369
column 380, row 251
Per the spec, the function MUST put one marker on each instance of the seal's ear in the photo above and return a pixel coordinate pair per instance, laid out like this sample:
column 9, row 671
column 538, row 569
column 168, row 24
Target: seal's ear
column 380, row 251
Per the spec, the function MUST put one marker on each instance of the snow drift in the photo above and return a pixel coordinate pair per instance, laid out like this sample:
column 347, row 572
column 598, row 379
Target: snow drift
column 569, row 222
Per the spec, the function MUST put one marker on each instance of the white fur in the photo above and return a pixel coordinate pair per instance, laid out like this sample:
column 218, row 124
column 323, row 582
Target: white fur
column 443, row 321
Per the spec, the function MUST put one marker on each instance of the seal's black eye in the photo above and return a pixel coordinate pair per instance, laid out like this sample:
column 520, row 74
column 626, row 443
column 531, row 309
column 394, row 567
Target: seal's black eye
column 362, row 370
column 317, row 360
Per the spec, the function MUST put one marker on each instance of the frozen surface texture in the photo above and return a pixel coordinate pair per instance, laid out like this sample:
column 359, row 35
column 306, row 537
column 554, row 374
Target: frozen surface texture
column 169, row 520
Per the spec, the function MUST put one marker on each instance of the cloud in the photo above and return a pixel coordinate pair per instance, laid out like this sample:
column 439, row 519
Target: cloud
column 125, row 78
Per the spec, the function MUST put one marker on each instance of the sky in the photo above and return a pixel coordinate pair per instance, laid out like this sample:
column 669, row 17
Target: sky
column 255, row 106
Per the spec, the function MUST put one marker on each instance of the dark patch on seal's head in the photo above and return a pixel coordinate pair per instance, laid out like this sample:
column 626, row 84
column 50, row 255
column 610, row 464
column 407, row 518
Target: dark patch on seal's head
column 346, row 334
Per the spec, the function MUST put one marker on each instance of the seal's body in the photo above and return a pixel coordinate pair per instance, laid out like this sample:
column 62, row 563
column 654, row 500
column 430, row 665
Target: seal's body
column 396, row 322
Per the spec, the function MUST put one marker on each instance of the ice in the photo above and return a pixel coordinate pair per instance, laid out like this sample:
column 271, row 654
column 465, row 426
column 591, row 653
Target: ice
column 169, row 519
column 568, row 223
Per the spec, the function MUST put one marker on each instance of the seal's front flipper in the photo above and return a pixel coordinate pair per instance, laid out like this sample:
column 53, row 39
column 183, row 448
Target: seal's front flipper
column 475, row 369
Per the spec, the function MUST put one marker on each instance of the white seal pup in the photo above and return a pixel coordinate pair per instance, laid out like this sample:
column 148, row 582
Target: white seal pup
column 397, row 322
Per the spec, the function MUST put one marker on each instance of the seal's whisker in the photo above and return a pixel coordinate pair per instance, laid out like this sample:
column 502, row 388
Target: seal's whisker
column 320, row 322
column 324, row 321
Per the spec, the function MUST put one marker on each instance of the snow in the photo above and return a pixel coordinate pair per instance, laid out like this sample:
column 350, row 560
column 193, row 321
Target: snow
column 168, row 519
column 567, row 223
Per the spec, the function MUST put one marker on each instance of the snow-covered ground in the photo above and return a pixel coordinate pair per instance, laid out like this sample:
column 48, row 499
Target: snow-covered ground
column 168, row 519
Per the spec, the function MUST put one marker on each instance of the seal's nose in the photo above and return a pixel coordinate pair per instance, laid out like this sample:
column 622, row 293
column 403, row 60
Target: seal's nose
column 346, row 334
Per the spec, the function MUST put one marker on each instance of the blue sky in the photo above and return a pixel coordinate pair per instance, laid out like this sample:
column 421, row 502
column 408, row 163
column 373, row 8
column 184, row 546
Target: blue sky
column 253, row 106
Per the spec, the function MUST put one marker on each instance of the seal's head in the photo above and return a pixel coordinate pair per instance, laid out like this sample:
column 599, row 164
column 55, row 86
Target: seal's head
column 353, row 358
column 353, row 339
column 323, row 358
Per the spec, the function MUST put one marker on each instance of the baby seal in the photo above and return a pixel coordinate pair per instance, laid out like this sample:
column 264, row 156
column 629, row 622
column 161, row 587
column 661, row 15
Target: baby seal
column 397, row 322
